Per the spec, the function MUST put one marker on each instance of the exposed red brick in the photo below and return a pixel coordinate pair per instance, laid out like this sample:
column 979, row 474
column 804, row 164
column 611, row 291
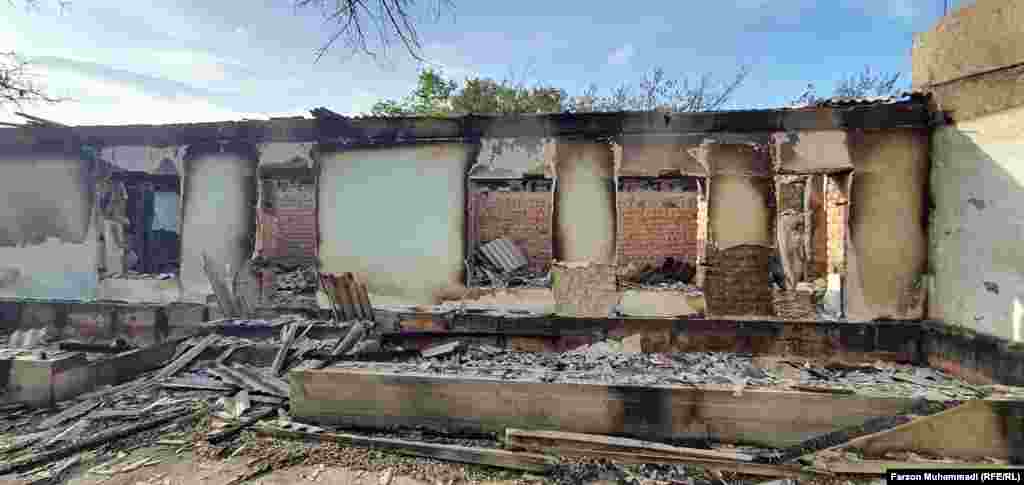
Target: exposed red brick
column 655, row 225
column 523, row 217
column 737, row 282
column 289, row 219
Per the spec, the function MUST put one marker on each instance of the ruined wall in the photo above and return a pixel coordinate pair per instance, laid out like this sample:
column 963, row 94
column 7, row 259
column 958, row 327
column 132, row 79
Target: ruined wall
column 395, row 216
column 887, row 240
column 585, row 203
column 971, row 64
column 47, row 240
column 219, row 197
column 289, row 213
column 819, row 228
column 656, row 225
column 977, row 183
column 524, row 217
column 737, row 282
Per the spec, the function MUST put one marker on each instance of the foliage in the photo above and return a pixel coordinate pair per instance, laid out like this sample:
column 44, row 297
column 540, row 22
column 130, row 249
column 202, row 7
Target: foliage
column 435, row 95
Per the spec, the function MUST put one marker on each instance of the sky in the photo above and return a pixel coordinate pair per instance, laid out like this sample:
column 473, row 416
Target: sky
column 174, row 61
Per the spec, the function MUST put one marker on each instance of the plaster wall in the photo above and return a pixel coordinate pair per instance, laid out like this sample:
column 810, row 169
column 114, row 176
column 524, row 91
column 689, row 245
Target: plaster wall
column 395, row 216
column 739, row 211
column 887, row 245
column 48, row 245
column 986, row 35
column 585, row 203
column 219, row 211
column 977, row 183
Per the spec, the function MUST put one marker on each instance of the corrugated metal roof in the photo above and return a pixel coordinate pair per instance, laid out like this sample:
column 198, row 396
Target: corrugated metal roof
column 843, row 101
column 504, row 254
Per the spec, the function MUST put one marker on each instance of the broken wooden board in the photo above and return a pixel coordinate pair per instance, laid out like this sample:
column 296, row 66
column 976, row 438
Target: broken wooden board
column 556, row 441
column 775, row 418
column 975, row 429
column 461, row 454
column 185, row 359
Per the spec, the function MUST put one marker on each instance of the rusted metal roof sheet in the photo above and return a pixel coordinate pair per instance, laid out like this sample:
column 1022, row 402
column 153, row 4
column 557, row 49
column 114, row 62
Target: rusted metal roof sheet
column 504, row 254
column 350, row 298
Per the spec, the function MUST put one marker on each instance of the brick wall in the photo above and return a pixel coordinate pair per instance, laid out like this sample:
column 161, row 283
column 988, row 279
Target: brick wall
column 819, row 229
column 737, row 282
column 523, row 217
column 836, row 205
column 655, row 225
column 289, row 218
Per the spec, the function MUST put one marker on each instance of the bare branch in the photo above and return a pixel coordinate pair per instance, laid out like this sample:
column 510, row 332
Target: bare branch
column 391, row 19
column 17, row 84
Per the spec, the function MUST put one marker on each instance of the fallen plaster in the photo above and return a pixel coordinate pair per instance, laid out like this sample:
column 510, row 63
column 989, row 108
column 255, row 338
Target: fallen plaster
column 585, row 210
column 395, row 216
column 515, row 158
column 654, row 155
column 808, row 151
column 145, row 158
column 286, row 154
column 219, row 194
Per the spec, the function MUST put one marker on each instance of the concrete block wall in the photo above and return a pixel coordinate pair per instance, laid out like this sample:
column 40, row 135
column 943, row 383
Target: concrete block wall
column 656, row 225
column 523, row 217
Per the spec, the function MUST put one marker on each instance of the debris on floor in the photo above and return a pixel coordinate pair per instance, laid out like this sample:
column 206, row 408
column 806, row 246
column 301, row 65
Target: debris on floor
column 671, row 274
column 224, row 399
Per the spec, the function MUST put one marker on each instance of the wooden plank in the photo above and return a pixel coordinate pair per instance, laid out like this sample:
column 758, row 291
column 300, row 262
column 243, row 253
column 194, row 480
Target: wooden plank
column 976, row 429
column 341, row 296
column 461, row 454
column 185, row 359
column 747, row 468
column 282, row 352
column 353, row 296
column 73, row 412
column 775, row 418
column 364, row 301
column 548, row 441
column 94, row 441
column 220, row 288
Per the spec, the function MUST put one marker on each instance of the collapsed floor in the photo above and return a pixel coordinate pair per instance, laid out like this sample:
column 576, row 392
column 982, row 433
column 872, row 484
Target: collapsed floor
column 220, row 397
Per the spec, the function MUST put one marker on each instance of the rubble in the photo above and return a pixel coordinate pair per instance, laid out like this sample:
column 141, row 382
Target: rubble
column 291, row 286
column 607, row 362
column 233, row 397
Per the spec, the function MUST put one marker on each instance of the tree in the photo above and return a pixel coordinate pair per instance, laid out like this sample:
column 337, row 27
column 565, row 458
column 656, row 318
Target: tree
column 358, row 21
column 16, row 82
column 659, row 92
column 862, row 84
column 435, row 95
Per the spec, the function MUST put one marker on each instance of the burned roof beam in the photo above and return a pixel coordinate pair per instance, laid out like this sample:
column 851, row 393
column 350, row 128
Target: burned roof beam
column 376, row 131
